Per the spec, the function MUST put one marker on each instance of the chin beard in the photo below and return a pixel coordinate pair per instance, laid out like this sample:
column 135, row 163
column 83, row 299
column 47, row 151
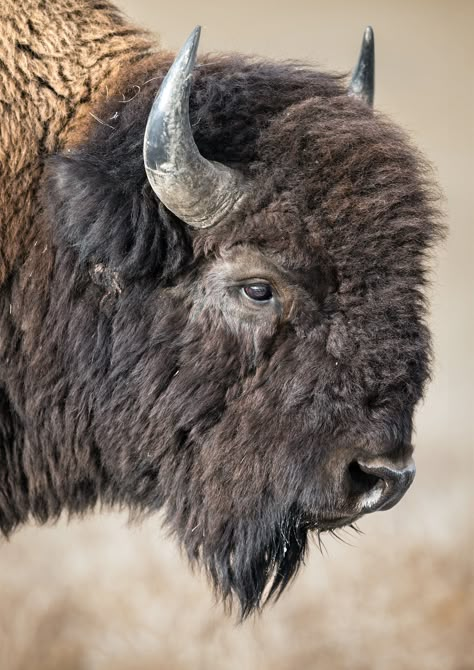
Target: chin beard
column 252, row 561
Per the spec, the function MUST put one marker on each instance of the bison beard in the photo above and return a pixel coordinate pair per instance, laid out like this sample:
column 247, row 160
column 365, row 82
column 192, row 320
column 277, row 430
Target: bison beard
column 256, row 558
column 128, row 380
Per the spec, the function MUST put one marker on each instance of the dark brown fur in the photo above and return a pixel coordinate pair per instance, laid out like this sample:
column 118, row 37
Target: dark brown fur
column 128, row 375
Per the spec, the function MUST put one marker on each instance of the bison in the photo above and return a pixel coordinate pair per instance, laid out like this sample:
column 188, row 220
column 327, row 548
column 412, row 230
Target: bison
column 212, row 294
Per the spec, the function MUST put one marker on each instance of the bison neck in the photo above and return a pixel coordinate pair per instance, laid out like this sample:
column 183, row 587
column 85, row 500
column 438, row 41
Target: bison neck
column 57, row 60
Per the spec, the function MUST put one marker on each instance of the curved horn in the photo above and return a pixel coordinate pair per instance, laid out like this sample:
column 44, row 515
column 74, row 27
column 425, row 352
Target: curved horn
column 198, row 191
column 362, row 83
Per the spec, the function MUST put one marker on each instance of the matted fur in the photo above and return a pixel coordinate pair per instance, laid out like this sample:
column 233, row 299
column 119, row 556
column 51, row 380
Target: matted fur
column 127, row 376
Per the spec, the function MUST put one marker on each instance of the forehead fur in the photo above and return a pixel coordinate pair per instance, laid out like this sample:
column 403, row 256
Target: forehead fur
column 325, row 171
column 328, row 172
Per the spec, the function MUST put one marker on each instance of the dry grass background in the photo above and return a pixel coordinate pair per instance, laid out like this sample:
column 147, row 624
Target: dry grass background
column 100, row 595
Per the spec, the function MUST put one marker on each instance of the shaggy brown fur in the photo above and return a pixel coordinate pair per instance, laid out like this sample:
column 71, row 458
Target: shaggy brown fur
column 132, row 372
column 56, row 61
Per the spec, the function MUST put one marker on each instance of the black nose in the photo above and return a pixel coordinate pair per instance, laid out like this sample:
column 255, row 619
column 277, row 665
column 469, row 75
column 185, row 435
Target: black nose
column 379, row 483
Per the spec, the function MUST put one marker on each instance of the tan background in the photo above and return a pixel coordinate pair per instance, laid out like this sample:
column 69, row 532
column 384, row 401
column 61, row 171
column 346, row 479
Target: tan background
column 99, row 595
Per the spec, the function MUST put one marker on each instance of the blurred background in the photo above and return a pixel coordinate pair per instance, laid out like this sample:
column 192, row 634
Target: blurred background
column 101, row 595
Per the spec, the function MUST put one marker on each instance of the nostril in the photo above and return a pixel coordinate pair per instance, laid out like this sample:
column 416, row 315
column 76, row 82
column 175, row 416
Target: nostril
column 395, row 475
column 380, row 482
column 360, row 480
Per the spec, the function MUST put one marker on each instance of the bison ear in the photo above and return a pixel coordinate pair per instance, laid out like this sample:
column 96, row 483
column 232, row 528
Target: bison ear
column 104, row 220
column 362, row 82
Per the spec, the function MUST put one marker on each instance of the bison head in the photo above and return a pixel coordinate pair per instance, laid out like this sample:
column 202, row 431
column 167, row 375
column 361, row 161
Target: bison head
column 234, row 330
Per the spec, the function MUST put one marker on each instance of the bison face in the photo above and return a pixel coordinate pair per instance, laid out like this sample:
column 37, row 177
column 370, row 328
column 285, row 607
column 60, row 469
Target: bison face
column 288, row 418
column 252, row 360
column 257, row 399
column 293, row 342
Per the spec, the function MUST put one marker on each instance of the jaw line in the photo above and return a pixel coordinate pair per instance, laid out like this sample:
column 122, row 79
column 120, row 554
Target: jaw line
column 332, row 522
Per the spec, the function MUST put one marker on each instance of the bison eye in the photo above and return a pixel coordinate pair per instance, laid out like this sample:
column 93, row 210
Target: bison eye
column 260, row 292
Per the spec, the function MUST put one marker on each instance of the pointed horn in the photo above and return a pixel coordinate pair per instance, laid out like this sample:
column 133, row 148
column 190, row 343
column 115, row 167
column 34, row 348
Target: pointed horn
column 198, row 191
column 362, row 83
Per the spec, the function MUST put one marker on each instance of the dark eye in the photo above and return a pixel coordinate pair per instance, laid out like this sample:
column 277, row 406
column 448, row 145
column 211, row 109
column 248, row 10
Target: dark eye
column 259, row 292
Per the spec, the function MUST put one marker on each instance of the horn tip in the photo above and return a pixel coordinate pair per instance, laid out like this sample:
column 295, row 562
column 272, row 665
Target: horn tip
column 368, row 46
column 362, row 82
column 195, row 35
column 369, row 35
column 192, row 42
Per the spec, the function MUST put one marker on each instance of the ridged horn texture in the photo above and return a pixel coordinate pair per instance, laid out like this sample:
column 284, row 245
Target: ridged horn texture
column 362, row 83
column 199, row 192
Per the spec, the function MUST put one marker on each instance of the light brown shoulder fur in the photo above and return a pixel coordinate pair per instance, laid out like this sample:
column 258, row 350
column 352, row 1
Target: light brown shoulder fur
column 57, row 59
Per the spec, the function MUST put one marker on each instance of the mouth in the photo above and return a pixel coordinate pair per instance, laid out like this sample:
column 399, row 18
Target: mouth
column 328, row 522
